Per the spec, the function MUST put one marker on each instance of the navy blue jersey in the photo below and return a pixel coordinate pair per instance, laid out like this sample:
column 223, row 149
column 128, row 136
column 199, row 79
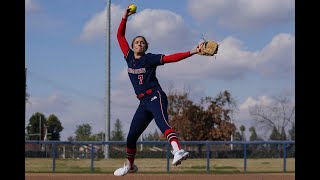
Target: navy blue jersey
column 142, row 72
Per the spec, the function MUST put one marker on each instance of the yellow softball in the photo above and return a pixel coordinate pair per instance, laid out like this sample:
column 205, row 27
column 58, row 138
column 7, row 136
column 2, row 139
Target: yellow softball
column 133, row 8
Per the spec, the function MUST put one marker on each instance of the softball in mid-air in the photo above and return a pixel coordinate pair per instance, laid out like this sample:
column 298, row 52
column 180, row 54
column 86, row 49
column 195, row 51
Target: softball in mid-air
column 132, row 8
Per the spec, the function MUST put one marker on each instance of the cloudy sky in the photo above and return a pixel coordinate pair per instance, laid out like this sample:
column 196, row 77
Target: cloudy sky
column 65, row 49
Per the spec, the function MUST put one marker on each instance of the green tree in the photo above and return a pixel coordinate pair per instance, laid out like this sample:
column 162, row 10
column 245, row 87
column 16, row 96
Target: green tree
column 292, row 132
column 35, row 128
column 253, row 134
column 291, row 148
column 242, row 130
column 237, row 136
column 283, row 135
column 275, row 135
column 83, row 133
column 117, row 133
column 71, row 138
column 257, row 150
column 54, row 127
column 275, row 148
column 99, row 136
column 155, row 136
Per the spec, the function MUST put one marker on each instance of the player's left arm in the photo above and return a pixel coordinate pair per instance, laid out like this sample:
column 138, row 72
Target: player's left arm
column 179, row 56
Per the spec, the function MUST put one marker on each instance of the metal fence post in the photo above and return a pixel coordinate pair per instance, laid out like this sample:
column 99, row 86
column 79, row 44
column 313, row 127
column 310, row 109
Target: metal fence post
column 53, row 157
column 92, row 158
column 284, row 157
column 244, row 157
column 208, row 157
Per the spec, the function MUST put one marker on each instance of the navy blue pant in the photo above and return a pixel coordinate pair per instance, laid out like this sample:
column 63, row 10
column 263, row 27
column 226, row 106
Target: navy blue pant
column 151, row 106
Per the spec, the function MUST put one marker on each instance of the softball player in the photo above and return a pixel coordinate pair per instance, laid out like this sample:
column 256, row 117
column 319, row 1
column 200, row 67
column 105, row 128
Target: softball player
column 153, row 101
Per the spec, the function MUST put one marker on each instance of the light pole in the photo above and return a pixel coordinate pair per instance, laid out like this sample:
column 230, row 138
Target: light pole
column 107, row 128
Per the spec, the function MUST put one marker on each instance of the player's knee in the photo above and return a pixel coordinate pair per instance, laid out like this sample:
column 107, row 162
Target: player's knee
column 131, row 141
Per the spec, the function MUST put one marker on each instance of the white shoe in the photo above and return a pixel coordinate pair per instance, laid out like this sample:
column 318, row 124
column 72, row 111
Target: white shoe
column 125, row 170
column 179, row 156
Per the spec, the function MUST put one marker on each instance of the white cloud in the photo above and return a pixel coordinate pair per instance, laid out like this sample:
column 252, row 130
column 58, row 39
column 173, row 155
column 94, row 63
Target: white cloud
column 243, row 14
column 54, row 102
column 242, row 116
column 278, row 55
column 233, row 61
column 251, row 101
column 162, row 28
column 95, row 28
column 31, row 5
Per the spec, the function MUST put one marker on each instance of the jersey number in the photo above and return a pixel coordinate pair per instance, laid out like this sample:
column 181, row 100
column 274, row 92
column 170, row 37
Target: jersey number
column 140, row 77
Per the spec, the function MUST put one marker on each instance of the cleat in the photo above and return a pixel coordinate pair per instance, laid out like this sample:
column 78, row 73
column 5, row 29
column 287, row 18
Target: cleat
column 125, row 170
column 179, row 156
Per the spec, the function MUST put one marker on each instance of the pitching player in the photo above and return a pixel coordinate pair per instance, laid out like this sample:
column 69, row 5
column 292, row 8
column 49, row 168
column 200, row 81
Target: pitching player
column 153, row 101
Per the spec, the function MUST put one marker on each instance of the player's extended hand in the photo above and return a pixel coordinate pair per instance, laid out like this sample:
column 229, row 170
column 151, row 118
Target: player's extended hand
column 197, row 49
column 127, row 13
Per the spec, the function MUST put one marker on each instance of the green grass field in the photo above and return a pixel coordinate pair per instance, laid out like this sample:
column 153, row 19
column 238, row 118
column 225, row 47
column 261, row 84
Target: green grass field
column 155, row 165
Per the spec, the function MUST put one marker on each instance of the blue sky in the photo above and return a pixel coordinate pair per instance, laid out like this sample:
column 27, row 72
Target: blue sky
column 65, row 49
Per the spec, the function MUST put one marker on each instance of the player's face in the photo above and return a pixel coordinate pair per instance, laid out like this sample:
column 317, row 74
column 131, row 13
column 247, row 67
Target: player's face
column 139, row 45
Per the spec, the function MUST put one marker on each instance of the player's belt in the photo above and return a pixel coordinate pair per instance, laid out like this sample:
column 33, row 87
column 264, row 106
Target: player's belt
column 141, row 95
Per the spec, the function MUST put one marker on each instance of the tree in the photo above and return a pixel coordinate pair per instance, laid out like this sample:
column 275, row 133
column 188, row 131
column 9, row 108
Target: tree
column 54, row 127
column 237, row 136
column 117, row 133
column 195, row 122
column 83, row 133
column 71, row 138
column 155, row 136
column 276, row 114
column 257, row 150
column 35, row 128
column 275, row 135
column 253, row 135
column 283, row 135
column 242, row 130
column 291, row 148
column 292, row 132
column 99, row 136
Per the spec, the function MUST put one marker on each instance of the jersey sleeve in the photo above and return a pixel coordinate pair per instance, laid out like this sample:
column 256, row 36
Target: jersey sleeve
column 176, row 57
column 155, row 59
column 122, row 39
column 129, row 55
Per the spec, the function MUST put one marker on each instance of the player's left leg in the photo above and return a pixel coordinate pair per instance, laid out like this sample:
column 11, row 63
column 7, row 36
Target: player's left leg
column 139, row 123
column 158, row 105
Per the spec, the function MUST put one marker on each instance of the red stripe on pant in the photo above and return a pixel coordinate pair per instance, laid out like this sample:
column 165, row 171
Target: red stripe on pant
column 131, row 153
column 171, row 136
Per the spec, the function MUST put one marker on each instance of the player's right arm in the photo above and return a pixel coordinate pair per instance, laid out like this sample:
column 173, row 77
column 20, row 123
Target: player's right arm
column 122, row 31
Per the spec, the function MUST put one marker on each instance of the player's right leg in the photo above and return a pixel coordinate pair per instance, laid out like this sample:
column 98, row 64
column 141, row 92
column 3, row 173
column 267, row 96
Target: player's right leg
column 158, row 107
column 139, row 123
column 178, row 153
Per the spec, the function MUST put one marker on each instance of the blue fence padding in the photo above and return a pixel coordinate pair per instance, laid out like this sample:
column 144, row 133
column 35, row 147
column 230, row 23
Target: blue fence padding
column 207, row 143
